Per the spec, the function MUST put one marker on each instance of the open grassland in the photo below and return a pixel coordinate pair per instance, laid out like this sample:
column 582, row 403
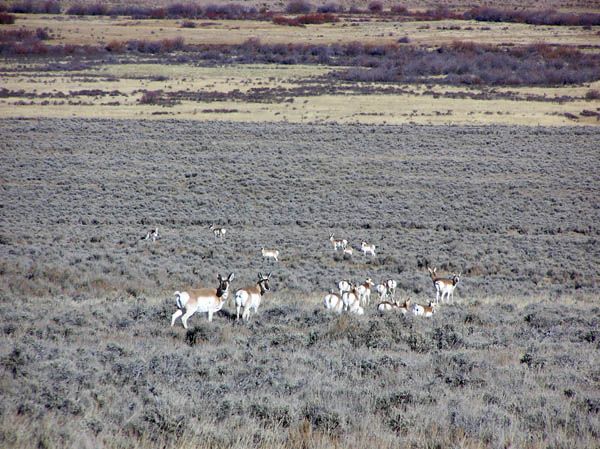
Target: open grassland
column 278, row 93
column 92, row 30
column 87, row 355
column 370, row 69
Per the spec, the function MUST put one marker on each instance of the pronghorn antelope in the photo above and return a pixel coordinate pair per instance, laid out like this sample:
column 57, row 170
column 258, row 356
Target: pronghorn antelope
column 348, row 251
column 364, row 292
column 356, row 309
column 152, row 234
column 249, row 297
column 426, row 311
column 337, row 244
column 391, row 285
column 344, row 286
column 395, row 305
column 202, row 300
column 332, row 301
column 218, row 232
column 381, row 289
column 270, row 254
column 350, row 299
column 443, row 286
column 367, row 249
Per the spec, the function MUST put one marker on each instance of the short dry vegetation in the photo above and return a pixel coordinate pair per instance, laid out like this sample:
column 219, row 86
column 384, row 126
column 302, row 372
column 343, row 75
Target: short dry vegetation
column 87, row 355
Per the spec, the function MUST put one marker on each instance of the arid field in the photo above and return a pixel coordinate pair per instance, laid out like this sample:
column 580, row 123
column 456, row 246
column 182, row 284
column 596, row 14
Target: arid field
column 89, row 356
column 462, row 136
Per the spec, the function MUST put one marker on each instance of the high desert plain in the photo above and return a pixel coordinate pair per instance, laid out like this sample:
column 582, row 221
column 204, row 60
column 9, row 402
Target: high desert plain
column 457, row 135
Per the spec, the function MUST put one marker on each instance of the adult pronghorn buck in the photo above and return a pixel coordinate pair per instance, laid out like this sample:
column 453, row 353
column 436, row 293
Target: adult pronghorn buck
column 270, row 254
column 337, row 244
column 218, row 232
column 250, row 297
column 443, row 286
column 367, row 249
column 202, row 300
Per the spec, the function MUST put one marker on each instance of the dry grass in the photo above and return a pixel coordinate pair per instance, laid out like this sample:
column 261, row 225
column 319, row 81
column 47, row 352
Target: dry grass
column 87, row 356
column 421, row 105
column 102, row 30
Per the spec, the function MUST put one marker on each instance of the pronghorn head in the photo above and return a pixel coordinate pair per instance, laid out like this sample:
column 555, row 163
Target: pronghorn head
column 223, row 288
column 212, row 226
column 263, row 282
column 456, row 278
column 369, row 282
column 432, row 272
column 331, row 236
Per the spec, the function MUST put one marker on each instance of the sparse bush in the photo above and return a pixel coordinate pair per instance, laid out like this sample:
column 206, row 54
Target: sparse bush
column 376, row 7
column 298, row 7
column 399, row 10
column 6, row 19
column 330, row 7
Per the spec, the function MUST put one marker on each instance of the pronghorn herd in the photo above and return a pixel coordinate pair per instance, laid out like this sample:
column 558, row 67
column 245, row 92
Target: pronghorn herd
column 354, row 297
column 350, row 297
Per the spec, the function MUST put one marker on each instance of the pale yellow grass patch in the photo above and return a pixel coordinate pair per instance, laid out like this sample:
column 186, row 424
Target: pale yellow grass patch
column 102, row 30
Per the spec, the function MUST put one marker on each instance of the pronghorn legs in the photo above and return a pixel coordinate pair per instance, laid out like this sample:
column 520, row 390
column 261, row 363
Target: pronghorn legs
column 175, row 316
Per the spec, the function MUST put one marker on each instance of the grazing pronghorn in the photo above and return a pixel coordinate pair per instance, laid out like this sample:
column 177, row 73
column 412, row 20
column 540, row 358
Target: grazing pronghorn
column 337, row 244
column 364, row 292
column 152, row 234
column 202, row 300
column 367, row 249
column 332, row 301
column 395, row 305
column 218, row 232
column 348, row 251
column 270, row 254
column 426, row 311
column 350, row 299
column 249, row 297
column 443, row 286
column 344, row 286
column 391, row 285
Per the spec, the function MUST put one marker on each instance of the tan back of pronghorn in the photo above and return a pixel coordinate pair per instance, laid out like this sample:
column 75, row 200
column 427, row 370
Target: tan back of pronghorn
column 338, row 244
column 201, row 300
column 367, row 249
column 333, row 302
column 443, row 286
column 270, row 254
column 395, row 305
column 250, row 297
column 218, row 232
column 350, row 298
column 364, row 292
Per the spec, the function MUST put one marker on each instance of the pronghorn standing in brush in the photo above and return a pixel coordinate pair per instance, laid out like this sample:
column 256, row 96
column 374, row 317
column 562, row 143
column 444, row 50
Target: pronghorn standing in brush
column 364, row 292
column 270, row 254
column 443, row 286
column 337, row 244
column 218, row 232
column 250, row 297
column 367, row 249
column 332, row 301
column 152, row 234
column 350, row 298
column 202, row 300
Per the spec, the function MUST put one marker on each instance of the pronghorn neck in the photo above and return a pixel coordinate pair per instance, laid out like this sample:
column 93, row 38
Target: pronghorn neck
column 261, row 287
